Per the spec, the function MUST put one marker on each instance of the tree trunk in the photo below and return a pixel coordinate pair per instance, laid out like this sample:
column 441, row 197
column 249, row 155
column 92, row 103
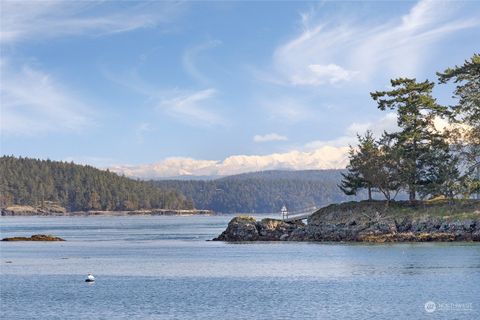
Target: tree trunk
column 369, row 193
column 478, row 177
column 413, row 181
column 412, row 194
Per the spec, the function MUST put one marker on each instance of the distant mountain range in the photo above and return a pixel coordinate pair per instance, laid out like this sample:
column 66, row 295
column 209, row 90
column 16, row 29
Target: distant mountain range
column 263, row 192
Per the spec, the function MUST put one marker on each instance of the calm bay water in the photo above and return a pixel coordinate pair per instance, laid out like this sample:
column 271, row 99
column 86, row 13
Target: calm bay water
column 163, row 268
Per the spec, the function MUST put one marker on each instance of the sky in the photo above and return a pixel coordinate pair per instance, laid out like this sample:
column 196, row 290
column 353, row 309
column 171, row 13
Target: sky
column 165, row 89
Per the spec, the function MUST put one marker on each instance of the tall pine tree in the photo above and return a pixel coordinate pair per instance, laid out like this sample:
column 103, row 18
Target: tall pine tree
column 466, row 114
column 418, row 141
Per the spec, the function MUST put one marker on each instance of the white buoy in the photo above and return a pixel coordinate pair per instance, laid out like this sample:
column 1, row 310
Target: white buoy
column 90, row 278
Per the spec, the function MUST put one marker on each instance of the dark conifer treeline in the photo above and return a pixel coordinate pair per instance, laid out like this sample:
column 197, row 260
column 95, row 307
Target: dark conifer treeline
column 263, row 192
column 32, row 182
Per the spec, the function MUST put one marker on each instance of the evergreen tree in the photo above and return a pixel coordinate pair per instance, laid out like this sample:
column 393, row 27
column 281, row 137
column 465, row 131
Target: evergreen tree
column 387, row 177
column 78, row 188
column 467, row 78
column 418, row 138
column 361, row 167
column 374, row 166
column 466, row 114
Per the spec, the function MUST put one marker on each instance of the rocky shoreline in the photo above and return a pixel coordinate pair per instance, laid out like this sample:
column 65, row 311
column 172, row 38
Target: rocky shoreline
column 359, row 223
column 60, row 211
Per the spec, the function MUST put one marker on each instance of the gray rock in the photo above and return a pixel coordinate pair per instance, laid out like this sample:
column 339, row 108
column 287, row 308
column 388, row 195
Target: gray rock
column 284, row 237
column 346, row 224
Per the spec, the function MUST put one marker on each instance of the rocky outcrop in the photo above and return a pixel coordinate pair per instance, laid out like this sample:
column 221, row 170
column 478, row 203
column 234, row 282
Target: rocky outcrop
column 393, row 230
column 171, row 212
column 48, row 209
column 148, row 212
column 35, row 237
column 245, row 228
column 362, row 222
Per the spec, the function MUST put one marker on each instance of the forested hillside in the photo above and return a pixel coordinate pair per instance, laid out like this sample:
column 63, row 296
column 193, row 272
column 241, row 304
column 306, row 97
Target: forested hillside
column 31, row 182
column 264, row 191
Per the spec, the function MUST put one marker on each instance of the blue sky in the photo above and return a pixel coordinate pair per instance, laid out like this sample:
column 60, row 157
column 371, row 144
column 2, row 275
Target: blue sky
column 158, row 89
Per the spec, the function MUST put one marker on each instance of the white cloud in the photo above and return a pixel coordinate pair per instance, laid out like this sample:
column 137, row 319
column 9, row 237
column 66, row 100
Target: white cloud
column 195, row 108
column 326, row 157
column 191, row 56
column 33, row 102
column 24, row 20
column 190, row 107
column 269, row 137
column 336, row 49
column 386, row 123
column 331, row 73
column 331, row 154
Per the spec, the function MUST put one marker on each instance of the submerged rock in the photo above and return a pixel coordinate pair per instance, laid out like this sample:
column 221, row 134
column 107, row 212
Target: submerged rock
column 35, row 237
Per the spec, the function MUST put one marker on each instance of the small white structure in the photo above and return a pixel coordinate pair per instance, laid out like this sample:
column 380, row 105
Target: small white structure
column 284, row 212
column 90, row 278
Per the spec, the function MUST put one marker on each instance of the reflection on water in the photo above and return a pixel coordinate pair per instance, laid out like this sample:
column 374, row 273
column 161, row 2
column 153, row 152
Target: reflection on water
column 163, row 268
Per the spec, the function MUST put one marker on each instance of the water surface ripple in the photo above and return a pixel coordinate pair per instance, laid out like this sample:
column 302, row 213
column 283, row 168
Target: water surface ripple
column 163, row 268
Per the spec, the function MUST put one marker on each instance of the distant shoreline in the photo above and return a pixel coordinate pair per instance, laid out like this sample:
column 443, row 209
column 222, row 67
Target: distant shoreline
column 18, row 211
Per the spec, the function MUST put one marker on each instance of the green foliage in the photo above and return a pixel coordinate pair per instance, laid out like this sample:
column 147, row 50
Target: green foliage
column 372, row 166
column 467, row 78
column 387, row 161
column 352, row 182
column 32, row 182
column 361, row 167
column 264, row 191
column 419, row 158
column 420, row 146
column 466, row 114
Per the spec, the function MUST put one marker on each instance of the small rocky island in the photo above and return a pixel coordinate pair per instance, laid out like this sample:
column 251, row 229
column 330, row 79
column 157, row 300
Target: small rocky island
column 367, row 221
column 35, row 237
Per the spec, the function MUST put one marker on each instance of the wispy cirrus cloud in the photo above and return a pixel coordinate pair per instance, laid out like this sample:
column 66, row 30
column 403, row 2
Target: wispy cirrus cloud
column 27, row 20
column 269, row 137
column 190, row 60
column 339, row 49
column 33, row 102
column 191, row 107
